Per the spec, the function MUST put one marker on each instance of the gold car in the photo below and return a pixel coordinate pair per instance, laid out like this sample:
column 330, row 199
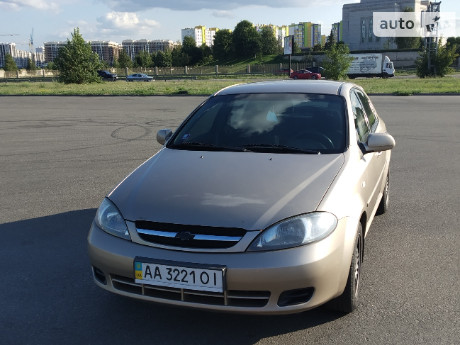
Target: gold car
column 258, row 203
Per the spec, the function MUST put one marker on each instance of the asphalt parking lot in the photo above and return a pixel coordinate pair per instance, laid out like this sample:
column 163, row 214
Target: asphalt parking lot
column 59, row 156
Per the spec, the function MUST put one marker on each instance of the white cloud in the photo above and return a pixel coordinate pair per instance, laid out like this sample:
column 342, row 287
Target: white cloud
column 126, row 23
column 223, row 14
column 35, row 4
column 190, row 5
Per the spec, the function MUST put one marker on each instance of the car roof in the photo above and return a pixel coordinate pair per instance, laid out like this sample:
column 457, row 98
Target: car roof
column 286, row 86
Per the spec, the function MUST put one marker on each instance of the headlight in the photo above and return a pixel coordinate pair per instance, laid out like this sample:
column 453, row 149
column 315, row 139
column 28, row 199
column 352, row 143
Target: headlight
column 109, row 219
column 295, row 232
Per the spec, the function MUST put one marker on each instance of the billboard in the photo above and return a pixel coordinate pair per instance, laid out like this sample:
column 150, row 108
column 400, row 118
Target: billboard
column 288, row 45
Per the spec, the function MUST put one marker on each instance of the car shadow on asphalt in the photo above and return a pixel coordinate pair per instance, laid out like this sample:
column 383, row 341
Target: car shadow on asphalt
column 48, row 296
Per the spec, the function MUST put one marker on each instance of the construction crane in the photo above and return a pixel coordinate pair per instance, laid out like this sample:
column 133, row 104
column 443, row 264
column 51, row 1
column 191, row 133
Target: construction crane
column 31, row 42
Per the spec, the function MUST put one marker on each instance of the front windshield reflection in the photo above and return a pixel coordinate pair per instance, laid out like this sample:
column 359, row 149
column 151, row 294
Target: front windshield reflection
column 297, row 121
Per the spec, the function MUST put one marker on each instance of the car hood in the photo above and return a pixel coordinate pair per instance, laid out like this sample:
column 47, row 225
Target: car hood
column 225, row 189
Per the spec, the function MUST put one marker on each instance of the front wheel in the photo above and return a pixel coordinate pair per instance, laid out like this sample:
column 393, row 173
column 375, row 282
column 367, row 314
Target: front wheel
column 348, row 300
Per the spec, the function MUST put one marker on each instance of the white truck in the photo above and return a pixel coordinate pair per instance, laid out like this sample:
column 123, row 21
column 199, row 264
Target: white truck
column 371, row 65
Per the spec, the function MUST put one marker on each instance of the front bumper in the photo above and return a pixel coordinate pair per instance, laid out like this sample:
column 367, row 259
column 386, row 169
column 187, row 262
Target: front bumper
column 275, row 282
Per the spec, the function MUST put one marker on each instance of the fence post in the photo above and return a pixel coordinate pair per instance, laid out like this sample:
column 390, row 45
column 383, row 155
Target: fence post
column 217, row 69
column 186, row 70
column 156, row 70
column 248, row 69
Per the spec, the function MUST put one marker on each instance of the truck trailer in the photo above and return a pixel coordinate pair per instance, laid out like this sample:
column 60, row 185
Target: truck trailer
column 371, row 65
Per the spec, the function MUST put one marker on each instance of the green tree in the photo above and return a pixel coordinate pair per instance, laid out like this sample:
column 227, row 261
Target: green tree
column 269, row 43
column 223, row 46
column 246, row 40
column 163, row 59
column 142, row 59
column 206, row 55
column 10, row 64
column 317, row 48
column 76, row 62
column 330, row 41
column 124, row 61
column 440, row 60
column 194, row 53
column 179, row 58
column 454, row 41
column 31, row 66
column 337, row 61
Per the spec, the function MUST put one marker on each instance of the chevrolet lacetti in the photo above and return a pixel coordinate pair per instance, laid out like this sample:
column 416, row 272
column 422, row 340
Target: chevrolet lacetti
column 258, row 203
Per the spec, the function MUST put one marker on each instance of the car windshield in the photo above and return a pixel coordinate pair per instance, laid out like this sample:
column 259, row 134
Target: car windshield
column 278, row 122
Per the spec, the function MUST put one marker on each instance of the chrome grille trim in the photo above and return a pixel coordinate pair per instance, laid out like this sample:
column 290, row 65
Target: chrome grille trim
column 190, row 237
column 199, row 237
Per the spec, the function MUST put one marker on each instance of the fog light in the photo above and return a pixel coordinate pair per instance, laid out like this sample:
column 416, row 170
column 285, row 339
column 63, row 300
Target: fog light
column 297, row 296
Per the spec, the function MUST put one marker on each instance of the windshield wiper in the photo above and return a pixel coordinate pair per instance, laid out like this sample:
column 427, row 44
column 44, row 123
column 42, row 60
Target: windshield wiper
column 279, row 149
column 199, row 146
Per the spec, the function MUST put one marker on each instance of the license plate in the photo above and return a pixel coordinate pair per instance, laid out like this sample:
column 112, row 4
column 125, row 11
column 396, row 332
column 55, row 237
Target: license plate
column 178, row 275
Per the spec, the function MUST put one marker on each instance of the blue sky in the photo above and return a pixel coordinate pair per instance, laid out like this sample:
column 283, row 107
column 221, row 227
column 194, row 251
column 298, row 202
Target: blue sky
column 116, row 20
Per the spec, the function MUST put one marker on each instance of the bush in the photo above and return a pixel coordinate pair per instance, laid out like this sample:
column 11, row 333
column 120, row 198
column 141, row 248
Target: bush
column 441, row 60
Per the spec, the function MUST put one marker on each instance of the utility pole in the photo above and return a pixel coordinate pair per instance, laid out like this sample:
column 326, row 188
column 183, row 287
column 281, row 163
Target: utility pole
column 431, row 41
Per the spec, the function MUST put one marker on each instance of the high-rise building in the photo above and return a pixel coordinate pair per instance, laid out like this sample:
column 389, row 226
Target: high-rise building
column 52, row 50
column 133, row 47
column 200, row 34
column 306, row 34
column 107, row 51
column 337, row 31
column 20, row 57
column 6, row 49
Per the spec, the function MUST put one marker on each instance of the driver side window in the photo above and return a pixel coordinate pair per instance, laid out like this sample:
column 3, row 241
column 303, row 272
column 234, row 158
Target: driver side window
column 361, row 121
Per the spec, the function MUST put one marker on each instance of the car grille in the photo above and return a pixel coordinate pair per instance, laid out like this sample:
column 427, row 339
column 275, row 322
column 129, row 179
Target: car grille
column 189, row 236
column 254, row 299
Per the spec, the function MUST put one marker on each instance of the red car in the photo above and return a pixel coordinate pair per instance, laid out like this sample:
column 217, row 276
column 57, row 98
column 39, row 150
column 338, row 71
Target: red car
column 305, row 74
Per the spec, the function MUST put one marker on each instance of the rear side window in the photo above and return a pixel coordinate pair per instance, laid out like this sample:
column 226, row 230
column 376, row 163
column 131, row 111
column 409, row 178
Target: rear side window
column 361, row 122
column 368, row 108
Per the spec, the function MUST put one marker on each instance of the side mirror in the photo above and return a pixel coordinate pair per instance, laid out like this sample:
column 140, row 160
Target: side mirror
column 377, row 142
column 163, row 135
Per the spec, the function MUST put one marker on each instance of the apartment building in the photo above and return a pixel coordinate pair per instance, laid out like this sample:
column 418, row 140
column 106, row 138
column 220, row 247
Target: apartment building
column 52, row 49
column 337, row 31
column 107, row 51
column 306, row 34
column 20, row 57
column 134, row 47
column 200, row 34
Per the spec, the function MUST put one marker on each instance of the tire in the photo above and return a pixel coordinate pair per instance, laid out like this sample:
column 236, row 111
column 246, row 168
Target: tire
column 383, row 206
column 348, row 300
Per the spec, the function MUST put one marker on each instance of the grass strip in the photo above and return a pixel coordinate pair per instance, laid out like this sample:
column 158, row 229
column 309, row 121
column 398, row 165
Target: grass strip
column 393, row 86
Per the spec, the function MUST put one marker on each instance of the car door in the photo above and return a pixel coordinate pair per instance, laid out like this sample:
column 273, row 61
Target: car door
column 372, row 163
column 380, row 161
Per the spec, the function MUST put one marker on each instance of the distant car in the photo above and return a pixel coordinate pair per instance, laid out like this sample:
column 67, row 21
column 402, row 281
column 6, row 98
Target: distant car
column 106, row 75
column 316, row 69
column 305, row 74
column 258, row 203
column 139, row 77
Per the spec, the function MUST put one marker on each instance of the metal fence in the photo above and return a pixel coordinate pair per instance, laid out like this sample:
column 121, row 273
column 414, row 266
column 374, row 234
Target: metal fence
column 169, row 72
